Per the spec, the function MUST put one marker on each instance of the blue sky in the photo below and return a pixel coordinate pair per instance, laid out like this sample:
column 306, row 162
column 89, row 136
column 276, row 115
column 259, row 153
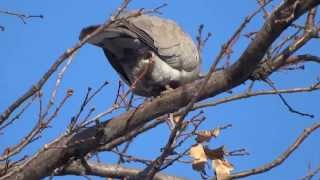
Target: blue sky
column 262, row 125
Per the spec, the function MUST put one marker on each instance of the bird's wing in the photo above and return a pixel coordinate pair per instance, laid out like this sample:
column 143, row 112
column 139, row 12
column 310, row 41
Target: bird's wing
column 168, row 41
column 140, row 33
column 109, row 33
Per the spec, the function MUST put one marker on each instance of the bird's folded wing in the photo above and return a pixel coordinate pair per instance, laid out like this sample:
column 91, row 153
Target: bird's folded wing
column 167, row 39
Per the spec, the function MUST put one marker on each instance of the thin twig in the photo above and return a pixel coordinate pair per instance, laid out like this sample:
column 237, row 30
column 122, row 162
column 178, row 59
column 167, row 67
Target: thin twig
column 33, row 135
column 22, row 17
column 311, row 174
column 52, row 99
column 100, row 115
column 88, row 97
column 285, row 102
column 256, row 93
column 18, row 115
column 280, row 159
column 59, row 78
column 125, row 157
column 123, row 151
column 131, row 135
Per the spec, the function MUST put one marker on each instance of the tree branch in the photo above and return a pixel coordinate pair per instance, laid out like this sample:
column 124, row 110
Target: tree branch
column 311, row 174
column 284, row 58
column 248, row 94
column 22, row 17
column 306, row 132
column 110, row 171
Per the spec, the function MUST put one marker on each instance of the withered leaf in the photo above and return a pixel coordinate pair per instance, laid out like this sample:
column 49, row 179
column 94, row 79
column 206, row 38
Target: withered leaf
column 199, row 157
column 222, row 168
column 207, row 135
column 217, row 153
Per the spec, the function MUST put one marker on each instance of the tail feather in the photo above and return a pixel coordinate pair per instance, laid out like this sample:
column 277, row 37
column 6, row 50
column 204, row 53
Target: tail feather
column 108, row 33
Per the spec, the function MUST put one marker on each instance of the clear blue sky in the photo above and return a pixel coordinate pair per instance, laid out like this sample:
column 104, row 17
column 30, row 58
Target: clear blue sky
column 262, row 125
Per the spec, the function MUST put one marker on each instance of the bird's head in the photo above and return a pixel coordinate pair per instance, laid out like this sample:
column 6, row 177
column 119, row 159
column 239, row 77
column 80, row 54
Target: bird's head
column 87, row 30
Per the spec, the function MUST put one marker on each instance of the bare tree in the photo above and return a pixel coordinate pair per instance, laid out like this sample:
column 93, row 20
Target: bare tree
column 76, row 152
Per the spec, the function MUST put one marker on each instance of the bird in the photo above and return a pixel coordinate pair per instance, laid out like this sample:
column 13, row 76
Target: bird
column 151, row 54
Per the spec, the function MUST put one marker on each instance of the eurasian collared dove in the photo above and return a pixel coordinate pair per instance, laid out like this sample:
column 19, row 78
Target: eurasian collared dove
column 149, row 53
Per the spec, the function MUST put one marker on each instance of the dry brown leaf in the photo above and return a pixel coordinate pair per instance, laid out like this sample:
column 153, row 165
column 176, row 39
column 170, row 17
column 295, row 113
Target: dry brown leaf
column 207, row 135
column 222, row 168
column 217, row 153
column 199, row 157
column 203, row 136
column 215, row 132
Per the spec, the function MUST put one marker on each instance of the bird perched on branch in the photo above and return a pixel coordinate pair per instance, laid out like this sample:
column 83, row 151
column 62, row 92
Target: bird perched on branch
column 151, row 54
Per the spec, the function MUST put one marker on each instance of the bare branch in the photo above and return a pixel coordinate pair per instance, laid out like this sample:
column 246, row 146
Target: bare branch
column 131, row 135
column 201, row 41
column 285, row 102
column 22, row 17
column 128, row 158
column 60, row 74
column 35, row 88
column 302, row 58
column 59, row 78
column 248, row 94
column 265, row 12
column 110, row 171
column 33, row 135
column 87, row 99
column 310, row 23
column 311, row 174
column 283, row 58
column 18, row 115
column 306, row 132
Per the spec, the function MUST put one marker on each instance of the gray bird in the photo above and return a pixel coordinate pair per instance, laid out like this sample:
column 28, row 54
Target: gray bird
column 151, row 54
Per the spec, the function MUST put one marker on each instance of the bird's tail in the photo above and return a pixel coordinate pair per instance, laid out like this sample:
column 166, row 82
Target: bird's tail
column 107, row 33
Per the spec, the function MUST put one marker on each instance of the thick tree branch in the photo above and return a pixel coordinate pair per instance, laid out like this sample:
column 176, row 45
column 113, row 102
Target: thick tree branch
column 302, row 58
column 110, row 171
column 67, row 147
